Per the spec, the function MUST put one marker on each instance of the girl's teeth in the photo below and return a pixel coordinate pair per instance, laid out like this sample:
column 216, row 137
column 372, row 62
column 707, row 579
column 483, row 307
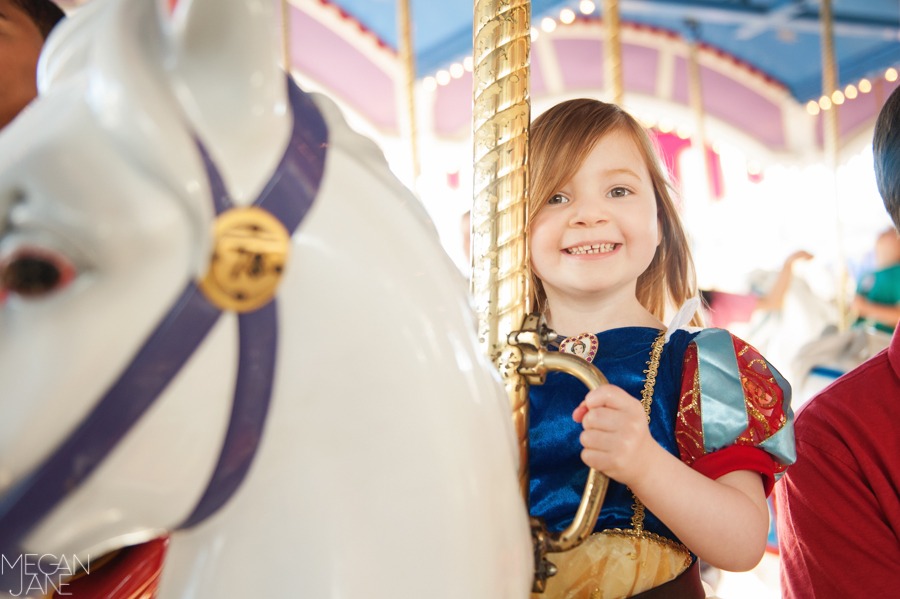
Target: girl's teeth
column 600, row 248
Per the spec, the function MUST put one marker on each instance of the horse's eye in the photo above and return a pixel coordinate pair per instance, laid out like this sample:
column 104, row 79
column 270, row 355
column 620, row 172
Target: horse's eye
column 33, row 273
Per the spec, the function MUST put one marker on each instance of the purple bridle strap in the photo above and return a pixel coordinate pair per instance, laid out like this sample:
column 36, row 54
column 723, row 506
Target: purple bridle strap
column 288, row 196
column 157, row 363
column 258, row 333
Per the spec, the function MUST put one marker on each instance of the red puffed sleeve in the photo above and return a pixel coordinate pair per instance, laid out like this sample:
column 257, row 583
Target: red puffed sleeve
column 734, row 411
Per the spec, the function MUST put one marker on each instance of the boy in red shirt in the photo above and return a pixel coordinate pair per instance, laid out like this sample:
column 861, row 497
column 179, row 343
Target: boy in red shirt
column 838, row 505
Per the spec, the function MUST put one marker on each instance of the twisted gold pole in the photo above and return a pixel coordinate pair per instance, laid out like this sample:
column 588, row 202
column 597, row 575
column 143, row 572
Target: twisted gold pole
column 695, row 92
column 613, row 50
column 407, row 59
column 829, row 82
column 285, row 37
column 501, row 118
column 831, row 135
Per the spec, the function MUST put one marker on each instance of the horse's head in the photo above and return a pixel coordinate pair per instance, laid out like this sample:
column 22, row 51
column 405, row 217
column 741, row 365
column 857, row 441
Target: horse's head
column 105, row 207
column 386, row 429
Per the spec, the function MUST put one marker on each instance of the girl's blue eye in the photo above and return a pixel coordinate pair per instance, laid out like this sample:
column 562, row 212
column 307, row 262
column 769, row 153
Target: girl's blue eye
column 557, row 199
column 619, row 192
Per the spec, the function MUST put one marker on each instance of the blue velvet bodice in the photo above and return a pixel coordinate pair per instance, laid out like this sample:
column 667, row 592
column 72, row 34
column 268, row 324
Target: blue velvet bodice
column 558, row 475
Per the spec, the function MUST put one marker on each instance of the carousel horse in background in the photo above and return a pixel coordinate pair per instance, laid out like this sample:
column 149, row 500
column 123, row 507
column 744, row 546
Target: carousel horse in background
column 232, row 351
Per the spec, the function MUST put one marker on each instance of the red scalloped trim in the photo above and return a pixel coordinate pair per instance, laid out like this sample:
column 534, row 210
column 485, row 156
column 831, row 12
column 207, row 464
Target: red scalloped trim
column 362, row 28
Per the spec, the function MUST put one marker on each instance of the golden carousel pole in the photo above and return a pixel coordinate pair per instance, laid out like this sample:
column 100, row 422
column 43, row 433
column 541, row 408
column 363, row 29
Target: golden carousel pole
column 695, row 93
column 285, row 37
column 500, row 273
column 612, row 63
column 407, row 59
column 831, row 136
column 501, row 119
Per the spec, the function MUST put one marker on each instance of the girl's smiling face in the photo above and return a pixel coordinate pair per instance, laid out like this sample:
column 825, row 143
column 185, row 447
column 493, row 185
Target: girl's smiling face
column 598, row 233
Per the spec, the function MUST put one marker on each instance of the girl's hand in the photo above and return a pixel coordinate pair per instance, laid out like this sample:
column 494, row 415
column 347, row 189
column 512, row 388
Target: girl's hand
column 616, row 436
column 724, row 521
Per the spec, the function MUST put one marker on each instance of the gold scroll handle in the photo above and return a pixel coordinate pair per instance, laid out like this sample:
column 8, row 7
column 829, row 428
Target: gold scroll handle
column 527, row 352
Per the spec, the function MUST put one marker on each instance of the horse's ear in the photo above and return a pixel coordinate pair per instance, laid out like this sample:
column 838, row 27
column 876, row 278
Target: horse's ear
column 113, row 58
column 224, row 68
column 67, row 49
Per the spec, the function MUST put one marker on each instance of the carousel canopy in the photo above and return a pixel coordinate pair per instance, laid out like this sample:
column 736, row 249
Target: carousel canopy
column 760, row 64
column 780, row 38
column 760, row 68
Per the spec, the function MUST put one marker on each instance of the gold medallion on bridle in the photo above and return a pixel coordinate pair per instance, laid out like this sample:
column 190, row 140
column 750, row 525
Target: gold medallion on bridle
column 251, row 250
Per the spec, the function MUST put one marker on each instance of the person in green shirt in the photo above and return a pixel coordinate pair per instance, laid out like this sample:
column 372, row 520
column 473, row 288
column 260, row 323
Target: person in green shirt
column 877, row 300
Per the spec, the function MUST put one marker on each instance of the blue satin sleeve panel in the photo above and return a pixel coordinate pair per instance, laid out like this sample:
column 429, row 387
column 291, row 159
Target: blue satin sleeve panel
column 723, row 411
column 557, row 473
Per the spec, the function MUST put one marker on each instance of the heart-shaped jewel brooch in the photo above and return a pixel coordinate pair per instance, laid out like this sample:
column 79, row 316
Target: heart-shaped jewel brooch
column 584, row 346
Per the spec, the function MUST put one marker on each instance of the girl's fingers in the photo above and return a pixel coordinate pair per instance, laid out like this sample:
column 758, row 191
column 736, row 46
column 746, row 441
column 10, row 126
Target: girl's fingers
column 597, row 397
column 607, row 395
column 579, row 413
column 598, row 460
column 597, row 441
column 604, row 419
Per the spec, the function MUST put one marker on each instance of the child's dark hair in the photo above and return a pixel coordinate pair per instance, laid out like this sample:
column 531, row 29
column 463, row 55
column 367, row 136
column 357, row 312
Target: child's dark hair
column 886, row 146
column 43, row 13
column 561, row 140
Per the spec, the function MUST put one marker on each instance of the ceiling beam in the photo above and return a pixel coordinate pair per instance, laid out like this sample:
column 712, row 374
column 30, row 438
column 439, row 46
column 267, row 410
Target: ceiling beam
column 778, row 17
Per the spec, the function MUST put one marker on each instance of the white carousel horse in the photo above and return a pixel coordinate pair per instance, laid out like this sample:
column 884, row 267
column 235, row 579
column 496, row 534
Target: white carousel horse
column 345, row 440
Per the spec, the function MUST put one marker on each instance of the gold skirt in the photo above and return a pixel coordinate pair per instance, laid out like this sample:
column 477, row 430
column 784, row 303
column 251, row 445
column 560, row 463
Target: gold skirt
column 614, row 564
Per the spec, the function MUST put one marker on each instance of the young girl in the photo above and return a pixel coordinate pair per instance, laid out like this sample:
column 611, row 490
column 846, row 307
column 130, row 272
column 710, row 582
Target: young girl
column 694, row 427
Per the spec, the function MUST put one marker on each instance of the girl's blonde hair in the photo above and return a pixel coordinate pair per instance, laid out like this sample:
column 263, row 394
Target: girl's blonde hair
column 561, row 140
